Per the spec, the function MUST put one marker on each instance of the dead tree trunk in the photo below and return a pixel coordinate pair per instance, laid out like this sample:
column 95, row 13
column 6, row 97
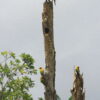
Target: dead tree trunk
column 78, row 90
column 49, row 77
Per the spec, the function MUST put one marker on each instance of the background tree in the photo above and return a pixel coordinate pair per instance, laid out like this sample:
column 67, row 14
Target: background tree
column 15, row 72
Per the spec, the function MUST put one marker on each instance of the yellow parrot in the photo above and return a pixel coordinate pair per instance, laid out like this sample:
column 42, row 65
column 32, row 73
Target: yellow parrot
column 41, row 69
column 77, row 69
column 43, row 72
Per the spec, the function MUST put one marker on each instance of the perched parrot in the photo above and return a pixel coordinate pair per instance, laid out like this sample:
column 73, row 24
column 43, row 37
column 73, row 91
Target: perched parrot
column 77, row 69
column 41, row 69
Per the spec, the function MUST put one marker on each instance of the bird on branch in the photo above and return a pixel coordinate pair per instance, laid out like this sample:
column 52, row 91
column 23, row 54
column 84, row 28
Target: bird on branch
column 41, row 69
column 77, row 69
column 44, row 74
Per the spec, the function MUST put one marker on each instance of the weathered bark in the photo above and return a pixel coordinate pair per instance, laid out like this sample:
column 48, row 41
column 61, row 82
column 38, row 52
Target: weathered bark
column 78, row 90
column 49, row 78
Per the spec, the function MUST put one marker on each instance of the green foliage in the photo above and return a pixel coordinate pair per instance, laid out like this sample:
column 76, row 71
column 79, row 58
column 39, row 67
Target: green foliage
column 15, row 72
column 70, row 98
column 58, row 97
column 40, row 98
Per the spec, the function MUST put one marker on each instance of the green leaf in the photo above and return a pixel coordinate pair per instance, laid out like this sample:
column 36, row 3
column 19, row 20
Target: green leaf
column 40, row 98
column 58, row 98
column 4, row 53
column 12, row 54
column 70, row 98
column 27, row 59
column 17, row 61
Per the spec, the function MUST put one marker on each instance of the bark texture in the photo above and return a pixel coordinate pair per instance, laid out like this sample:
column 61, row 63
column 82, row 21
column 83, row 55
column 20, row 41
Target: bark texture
column 49, row 77
column 78, row 92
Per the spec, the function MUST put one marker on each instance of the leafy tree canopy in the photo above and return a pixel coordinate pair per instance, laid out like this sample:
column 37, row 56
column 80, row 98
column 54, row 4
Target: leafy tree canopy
column 15, row 80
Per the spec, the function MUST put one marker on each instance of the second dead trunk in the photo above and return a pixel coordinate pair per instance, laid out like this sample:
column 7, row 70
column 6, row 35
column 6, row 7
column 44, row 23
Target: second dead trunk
column 78, row 89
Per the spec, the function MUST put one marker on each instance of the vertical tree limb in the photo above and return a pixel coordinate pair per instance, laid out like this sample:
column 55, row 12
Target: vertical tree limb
column 47, row 24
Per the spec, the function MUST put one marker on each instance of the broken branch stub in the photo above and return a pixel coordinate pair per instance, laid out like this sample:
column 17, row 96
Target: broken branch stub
column 77, row 91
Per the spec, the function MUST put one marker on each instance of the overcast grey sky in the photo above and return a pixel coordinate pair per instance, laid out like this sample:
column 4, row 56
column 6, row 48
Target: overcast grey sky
column 77, row 40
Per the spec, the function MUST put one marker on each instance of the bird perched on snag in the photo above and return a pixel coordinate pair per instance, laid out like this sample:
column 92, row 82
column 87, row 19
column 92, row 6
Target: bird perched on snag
column 41, row 69
column 77, row 69
column 44, row 74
